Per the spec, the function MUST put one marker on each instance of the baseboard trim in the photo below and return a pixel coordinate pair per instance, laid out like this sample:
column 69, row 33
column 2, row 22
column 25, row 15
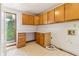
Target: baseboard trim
column 30, row 41
column 65, row 51
column 11, row 45
column 15, row 43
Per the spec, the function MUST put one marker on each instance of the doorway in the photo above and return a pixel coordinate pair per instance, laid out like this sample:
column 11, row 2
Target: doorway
column 10, row 28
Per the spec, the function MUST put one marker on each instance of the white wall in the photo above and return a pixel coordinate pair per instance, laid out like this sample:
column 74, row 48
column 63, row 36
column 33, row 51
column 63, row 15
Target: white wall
column 19, row 27
column 2, row 36
column 24, row 28
column 60, row 35
column 0, row 29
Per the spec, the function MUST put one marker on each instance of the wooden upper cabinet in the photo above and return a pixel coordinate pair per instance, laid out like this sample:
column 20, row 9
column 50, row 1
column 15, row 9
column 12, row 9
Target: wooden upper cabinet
column 31, row 22
column 59, row 13
column 71, row 11
column 25, row 19
column 50, row 17
column 44, row 18
column 41, row 19
column 36, row 20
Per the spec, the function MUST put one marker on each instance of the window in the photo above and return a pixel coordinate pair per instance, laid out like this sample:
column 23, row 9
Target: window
column 10, row 27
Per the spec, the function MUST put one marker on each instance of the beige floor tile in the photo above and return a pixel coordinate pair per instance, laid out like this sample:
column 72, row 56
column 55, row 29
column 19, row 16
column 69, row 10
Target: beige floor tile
column 33, row 49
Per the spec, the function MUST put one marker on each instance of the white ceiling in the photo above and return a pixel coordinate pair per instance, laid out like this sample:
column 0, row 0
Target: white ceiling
column 33, row 8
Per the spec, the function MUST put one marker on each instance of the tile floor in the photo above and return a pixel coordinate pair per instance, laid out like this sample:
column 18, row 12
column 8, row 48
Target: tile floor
column 33, row 49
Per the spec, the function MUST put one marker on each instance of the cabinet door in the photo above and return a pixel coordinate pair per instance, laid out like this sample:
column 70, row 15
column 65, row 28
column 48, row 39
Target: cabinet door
column 59, row 14
column 50, row 17
column 71, row 11
column 47, row 39
column 25, row 19
column 36, row 20
column 21, row 40
column 45, row 18
column 41, row 39
column 41, row 19
column 37, row 37
column 31, row 20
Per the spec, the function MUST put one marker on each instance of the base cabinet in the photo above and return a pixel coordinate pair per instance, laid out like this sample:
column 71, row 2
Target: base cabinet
column 37, row 36
column 21, row 40
column 47, row 39
column 43, row 39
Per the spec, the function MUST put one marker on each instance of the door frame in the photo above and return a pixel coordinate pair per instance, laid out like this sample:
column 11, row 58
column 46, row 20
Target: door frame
column 6, row 27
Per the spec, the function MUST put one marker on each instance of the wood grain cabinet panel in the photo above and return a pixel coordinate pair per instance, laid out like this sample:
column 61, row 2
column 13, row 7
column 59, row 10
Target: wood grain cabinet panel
column 47, row 39
column 21, row 40
column 44, row 18
column 36, row 20
column 31, row 20
column 41, row 19
column 59, row 14
column 71, row 11
column 50, row 17
column 37, row 37
column 25, row 19
column 41, row 39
